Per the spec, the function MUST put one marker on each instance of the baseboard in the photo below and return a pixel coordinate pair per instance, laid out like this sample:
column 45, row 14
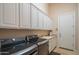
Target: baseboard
column 54, row 48
column 77, row 52
column 66, row 49
column 54, row 53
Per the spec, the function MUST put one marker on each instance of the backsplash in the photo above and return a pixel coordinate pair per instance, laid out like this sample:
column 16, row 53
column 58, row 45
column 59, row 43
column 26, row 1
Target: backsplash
column 9, row 33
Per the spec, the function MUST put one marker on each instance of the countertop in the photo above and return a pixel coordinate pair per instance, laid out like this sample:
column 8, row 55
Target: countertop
column 48, row 37
column 17, row 48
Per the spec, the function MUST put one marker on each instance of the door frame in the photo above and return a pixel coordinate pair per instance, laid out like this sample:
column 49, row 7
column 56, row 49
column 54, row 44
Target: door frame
column 59, row 32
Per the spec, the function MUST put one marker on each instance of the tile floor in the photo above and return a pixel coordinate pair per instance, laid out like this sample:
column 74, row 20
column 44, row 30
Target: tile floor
column 64, row 51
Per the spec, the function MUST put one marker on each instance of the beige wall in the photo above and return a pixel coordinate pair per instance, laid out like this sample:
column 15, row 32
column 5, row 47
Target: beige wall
column 42, row 6
column 55, row 10
column 9, row 33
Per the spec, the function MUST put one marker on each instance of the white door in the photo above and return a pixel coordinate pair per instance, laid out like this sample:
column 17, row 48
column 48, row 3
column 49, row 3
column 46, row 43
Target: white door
column 10, row 15
column 25, row 15
column 66, row 31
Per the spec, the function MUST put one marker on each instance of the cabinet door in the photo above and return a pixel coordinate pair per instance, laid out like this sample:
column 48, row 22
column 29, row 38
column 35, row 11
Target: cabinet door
column 34, row 17
column 50, row 45
column 50, row 26
column 45, row 22
column 25, row 15
column 10, row 15
column 48, row 23
column 40, row 20
column 1, row 14
column 51, row 23
column 53, row 43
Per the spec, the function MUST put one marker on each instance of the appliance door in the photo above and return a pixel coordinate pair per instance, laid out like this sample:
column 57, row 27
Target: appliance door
column 33, row 50
column 43, row 48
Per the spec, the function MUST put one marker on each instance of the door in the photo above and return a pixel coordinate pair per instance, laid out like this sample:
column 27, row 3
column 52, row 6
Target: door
column 34, row 17
column 66, row 31
column 25, row 15
column 10, row 15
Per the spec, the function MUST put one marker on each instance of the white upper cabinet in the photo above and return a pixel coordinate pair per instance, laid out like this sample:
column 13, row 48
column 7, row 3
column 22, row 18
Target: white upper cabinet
column 34, row 17
column 50, row 23
column 45, row 22
column 9, row 15
column 1, row 13
column 40, row 20
column 51, row 27
column 25, row 15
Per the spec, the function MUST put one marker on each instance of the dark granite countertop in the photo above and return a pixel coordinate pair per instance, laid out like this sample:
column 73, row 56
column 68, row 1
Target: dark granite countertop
column 16, row 48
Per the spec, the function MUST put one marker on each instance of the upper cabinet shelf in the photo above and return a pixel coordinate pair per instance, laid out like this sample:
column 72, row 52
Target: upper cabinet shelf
column 23, row 16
